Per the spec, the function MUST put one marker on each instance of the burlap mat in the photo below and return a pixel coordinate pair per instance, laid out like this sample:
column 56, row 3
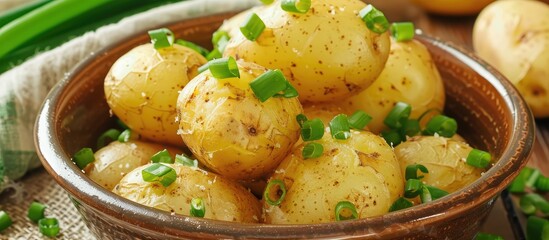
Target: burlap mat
column 40, row 186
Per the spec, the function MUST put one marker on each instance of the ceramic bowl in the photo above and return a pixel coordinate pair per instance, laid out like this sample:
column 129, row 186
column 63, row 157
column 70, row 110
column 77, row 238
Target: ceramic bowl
column 490, row 112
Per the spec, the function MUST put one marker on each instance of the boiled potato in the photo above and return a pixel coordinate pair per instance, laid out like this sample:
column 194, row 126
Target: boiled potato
column 115, row 160
column 142, row 87
column 409, row 76
column 513, row 36
column 223, row 199
column 443, row 157
column 362, row 170
column 327, row 53
column 453, row 7
column 230, row 131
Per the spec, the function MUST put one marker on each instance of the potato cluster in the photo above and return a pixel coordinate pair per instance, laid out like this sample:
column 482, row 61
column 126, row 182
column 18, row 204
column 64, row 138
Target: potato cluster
column 326, row 62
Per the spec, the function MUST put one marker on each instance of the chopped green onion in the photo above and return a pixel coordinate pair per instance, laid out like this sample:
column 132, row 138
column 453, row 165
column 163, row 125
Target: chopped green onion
column 270, row 83
column 204, row 52
column 5, row 220
column 289, row 92
column 162, row 157
column 203, row 68
column 441, row 125
column 532, row 202
column 214, row 54
column 312, row 150
column 158, row 172
column 49, row 226
column 425, row 194
column 280, row 192
column 252, row 27
column 486, row 236
column 301, row 118
column 375, row 20
column 83, row 157
column 126, row 135
column 36, row 211
column 478, row 158
column 198, row 209
column 359, row 120
column 392, row 137
column 436, row 193
column 533, row 178
column 266, row 2
column 184, row 160
column 537, row 228
column 339, row 127
column 399, row 204
column 109, row 135
column 411, row 171
column 518, row 185
column 403, row 31
column 161, row 38
column 398, row 115
column 410, row 128
column 296, row 6
column 345, row 210
column 312, row 130
column 542, row 184
column 222, row 68
column 218, row 36
column 412, row 188
column 432, row 110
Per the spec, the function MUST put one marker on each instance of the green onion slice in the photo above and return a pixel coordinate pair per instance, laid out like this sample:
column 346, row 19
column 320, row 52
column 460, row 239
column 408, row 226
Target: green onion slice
column 441, row 125
column 533, row 178
column 478, row 158
column 312, row 150
column 83, row 157
column 532, row 202
column 375, row 20
column 161, row 38
column 518, row 185
column 301, row 118
column 410, row 128
column 345, row 210
column 312, row 130
column 537, row 228
column 425, row 194
column 296, row 6
column 436, row 193
column 185, row 160
column 5, row 220
column 399, row 204
column 403, row 31
column 36, row 211
column 198, row 209
column 252, row 27
column 222, row 68
column 214, row 54
column 108, row 136
column 359, row 120
column 392, row 137
column 412, row 188
column 411, row 171
column 266, row 2
column 219, row 36
column 127, row 135
column 275, row 188
column 203, row 68
column 398, row 115
column 49, row 226
column 289, row 92
column 486, row 236
column 162, row 157
column 270, row 84
column 204, row 52
column 339, row 127
column 158, row 172
column 542, row 184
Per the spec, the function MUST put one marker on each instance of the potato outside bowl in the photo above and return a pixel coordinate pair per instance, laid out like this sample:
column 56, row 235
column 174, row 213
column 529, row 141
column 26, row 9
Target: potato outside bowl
column 490, row 112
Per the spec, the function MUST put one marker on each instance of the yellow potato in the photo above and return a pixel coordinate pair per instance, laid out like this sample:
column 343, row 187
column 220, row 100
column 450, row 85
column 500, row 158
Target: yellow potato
column 327, row 53
column 453, row 7
column 362, row 170
column 142, row 88
column 513, row 36
column 443, row 157
column 409, row 76
column 223, row 199
column 230, row 131
column 115, row 160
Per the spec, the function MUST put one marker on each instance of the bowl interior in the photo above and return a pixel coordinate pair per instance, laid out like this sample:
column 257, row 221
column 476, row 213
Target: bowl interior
column 490, row 113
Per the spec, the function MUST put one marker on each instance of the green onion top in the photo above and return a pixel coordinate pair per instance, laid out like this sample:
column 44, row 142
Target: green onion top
column 312, row 150
column 198, row 209
column 162, row 156
column 83, row 157
column 36, row 211
column 108, row 136
column 412, row 188
column 296, row 6
column 392, row 137
column 399, row 204
column 301, row 118
column 411, row 171
column 537, row 228
column 252, row 27
column 158, row 172
column 441, row 125
column 202, row 51
column 339, row 127
column 403, row 31
column 345, row 210
column 222, row 68
column 398, row 115
column 276, row 188
column 518, row 185
column 49, row 226
column 375, row 20
column 5, row 220
column 270, row 84
column 359, row 120
column 478, row 158
column 312, row 130
column 185, row 160
column 161, row 38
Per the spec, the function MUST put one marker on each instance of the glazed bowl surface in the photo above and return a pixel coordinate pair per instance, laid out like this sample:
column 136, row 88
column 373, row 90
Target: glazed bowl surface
column 490, row 113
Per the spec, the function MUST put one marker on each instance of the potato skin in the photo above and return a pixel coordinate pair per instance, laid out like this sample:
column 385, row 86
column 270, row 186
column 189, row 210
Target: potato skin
column 142, row 88
column 327, row 53
column 409, row 76
column 443, row 157
column 453, row 7
column 230, row 131
column 115, row 160
column 223, row 199
column 362, row 170
column 513, row 36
